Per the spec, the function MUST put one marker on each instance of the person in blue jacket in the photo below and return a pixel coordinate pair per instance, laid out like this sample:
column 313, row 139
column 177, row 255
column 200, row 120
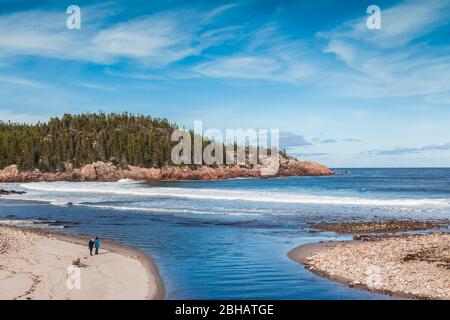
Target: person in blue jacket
column 96, row 245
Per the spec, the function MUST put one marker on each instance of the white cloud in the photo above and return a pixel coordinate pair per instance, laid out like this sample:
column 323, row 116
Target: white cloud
column 409, row 150
column 20, row 81
column 290, row 140
column 268, row 56
column 157, row 40
column 256, row 67
column 342, row 50
column 154, row 40
column 6, row 115
column 95, row 86
column 396, row 60
column 245, row 67
column 400, row 24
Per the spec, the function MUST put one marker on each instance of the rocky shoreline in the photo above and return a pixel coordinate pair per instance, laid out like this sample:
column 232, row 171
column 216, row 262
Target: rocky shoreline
column 102, row 171
column 379, row 226
column 402, row 265
column 4, row 192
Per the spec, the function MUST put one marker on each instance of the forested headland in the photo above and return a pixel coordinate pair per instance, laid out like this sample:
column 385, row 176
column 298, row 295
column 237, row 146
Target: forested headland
column 122, row 139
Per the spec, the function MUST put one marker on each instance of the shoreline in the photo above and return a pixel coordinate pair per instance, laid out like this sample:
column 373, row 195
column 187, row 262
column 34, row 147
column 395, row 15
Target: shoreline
column 308, row 253
column 300, row 254
column 116, row 261
column 108, row 172
column 124, row 250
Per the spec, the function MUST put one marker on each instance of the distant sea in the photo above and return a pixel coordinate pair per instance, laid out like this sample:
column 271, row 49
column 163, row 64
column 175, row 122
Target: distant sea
column 229, row 239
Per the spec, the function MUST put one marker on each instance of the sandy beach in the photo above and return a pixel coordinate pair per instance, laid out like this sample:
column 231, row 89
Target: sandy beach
column 34, row 265
column 407, row 266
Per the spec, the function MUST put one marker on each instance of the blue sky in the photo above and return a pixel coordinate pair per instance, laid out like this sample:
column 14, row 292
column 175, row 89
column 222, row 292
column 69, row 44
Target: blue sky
column 341, row 94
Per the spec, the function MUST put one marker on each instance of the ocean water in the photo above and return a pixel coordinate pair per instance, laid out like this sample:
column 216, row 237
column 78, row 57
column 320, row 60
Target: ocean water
column 229, row 239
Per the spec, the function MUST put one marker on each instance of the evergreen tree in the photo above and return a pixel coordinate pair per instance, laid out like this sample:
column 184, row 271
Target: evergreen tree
column 124, row 139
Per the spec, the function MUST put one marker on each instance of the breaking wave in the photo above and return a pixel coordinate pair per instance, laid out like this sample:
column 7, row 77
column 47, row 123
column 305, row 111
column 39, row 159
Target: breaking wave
column 137, row 189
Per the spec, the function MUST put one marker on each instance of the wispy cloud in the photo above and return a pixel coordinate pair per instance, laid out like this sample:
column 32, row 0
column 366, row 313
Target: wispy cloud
column 396, row 60
column 6, row 115
column 329, row 141
column 401, row 24
column 95, row 86
column 268, row 56
column 289, row 140
column 21, row 81
column 310, row 155
column 351, row 140
column 154, row 40
column 403, row 151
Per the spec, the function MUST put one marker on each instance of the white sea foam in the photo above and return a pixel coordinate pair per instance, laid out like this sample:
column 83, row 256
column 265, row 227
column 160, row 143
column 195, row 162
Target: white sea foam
column 147, row 209
column 60, row 203
column 127, row 181
column 16, row 222
column 138, row 189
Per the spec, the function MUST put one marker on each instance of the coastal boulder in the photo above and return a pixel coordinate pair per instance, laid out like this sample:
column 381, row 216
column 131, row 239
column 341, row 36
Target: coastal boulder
column 9, row 174
column 302, row 168
column 136, row 173
column 100, row 171
column 88, row 173
column 107, row 171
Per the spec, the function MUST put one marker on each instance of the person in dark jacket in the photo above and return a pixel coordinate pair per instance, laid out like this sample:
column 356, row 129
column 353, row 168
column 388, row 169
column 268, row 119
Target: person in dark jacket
column 96, row 245
column 91, row 245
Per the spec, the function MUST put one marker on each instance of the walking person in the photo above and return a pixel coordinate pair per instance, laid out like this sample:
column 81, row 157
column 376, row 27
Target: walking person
column 91, row 245
column 96, row 245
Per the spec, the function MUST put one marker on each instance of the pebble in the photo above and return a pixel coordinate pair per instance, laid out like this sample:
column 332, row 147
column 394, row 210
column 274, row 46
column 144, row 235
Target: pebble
column 380, row 264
